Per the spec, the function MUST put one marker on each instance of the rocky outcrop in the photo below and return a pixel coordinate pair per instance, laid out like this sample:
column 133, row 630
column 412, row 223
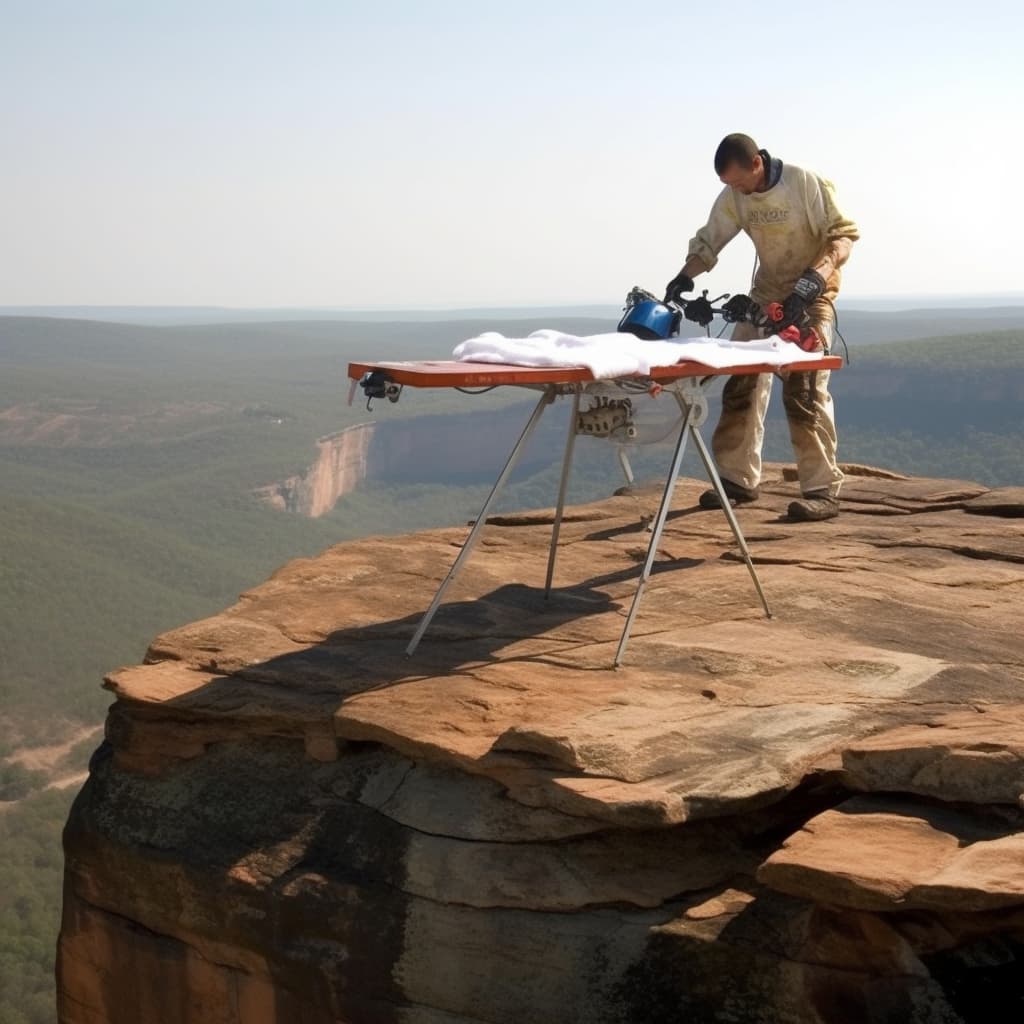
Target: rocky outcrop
column 811, row 819
column 339, row 468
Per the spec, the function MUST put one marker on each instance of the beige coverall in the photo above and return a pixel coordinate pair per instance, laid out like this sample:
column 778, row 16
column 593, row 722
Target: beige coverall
column 794, row 225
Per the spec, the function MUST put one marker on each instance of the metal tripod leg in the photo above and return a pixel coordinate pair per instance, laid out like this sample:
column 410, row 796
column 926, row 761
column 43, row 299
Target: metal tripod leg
column 716, row 481
column 627, row 469
column 659, row 524
column 467, row 547
column 570, row 445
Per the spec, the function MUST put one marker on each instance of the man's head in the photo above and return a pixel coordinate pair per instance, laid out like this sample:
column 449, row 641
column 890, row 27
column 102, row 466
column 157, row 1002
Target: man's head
column 738, row 164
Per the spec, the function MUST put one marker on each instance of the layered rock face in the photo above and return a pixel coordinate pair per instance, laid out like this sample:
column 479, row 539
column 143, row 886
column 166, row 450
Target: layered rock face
column 805, row 820
column 463, row 446
column 339, row 468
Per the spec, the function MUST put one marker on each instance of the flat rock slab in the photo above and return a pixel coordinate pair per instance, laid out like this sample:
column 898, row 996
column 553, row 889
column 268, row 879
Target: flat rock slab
column 969, row 756
column 1000, row 501
column 885, row 854
column 880, row 621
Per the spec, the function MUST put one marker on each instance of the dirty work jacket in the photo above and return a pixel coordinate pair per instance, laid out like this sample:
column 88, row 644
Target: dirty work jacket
column 794, row 225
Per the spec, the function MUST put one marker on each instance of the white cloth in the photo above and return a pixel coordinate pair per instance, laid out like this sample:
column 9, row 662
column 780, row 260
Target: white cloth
column 619, row 354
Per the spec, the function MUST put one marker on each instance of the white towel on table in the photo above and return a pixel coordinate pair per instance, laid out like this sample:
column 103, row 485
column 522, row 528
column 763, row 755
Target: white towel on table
column 618, row 354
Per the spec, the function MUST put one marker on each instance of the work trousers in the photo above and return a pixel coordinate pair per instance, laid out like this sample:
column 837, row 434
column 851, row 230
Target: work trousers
column 739, row 435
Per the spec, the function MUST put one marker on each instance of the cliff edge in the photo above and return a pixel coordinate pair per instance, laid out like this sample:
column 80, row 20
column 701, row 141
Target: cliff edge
column 811, row 819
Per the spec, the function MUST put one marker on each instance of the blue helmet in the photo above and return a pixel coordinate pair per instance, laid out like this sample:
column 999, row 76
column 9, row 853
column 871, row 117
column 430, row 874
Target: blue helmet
column 650, row 319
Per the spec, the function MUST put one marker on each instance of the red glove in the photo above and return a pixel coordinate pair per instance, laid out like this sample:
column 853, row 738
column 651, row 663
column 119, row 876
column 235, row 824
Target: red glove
column 808, row 339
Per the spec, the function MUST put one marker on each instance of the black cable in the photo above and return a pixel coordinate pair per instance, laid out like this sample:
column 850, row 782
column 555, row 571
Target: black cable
column 835, row 326
column 479, row 391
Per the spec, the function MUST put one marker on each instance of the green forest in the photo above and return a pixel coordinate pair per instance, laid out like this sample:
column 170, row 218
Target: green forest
column 129, row 456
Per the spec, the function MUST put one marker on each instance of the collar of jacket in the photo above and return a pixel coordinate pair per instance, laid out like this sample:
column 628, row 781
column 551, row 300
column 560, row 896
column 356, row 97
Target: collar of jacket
column 773, row 169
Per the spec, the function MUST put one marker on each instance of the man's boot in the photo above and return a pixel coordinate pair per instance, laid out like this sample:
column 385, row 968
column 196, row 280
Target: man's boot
column 814, row 507
column 736, row 494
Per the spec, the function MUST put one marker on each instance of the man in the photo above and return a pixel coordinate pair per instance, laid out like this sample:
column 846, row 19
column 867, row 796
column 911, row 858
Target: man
column 801, row 239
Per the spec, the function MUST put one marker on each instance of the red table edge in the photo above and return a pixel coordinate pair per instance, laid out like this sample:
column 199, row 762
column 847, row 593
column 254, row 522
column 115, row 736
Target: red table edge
column 448, row 374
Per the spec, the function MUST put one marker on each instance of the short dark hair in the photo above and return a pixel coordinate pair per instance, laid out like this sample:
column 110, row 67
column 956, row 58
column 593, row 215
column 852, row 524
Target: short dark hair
column 735, row 149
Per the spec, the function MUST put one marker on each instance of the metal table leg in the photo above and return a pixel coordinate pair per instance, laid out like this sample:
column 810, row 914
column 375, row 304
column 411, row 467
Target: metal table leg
column 659, row 524
column 716, row 480
column 627, row 469
column 570, row 445
column 467, row 547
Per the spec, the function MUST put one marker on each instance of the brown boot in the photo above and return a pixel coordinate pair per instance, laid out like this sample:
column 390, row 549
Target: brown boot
column 736, row 494
column 813, row 507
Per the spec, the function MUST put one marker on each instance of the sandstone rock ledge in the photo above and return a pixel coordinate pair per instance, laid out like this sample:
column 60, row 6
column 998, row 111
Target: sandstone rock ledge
column 815, row 818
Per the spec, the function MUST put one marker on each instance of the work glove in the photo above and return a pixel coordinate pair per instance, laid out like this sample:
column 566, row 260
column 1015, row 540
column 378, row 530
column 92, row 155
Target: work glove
column 699, row 310
column 737, row 309
column 806, row 337
column 678, row 287
column 807, row 289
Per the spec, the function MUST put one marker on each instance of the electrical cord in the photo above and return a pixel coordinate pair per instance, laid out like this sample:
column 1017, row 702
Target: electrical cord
column 839, row 335
column 478, row 391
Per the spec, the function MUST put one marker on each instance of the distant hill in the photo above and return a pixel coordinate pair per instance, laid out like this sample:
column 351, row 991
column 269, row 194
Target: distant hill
column 861, row 322
column 981, row 351
column 180, row 315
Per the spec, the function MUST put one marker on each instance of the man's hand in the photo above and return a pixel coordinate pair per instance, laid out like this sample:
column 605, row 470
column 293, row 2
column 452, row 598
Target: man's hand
column 699, row 311
column 678, row 287
column 807, row 289
column 809, row 286
column 807, row 338
column 737, row 309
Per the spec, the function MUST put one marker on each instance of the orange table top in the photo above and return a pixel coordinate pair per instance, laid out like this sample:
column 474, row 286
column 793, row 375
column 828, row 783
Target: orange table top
column 450, row 374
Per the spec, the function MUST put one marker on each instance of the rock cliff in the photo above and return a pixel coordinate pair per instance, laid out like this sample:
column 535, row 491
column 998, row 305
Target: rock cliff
column 339, row 468
column 811, row 819
column 450, row 448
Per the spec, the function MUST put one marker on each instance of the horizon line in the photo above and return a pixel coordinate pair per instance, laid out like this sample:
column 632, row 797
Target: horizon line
column 944, row 298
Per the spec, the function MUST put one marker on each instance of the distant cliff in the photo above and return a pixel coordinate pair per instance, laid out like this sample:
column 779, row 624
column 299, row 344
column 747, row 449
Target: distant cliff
column 812, row 819
column 339, row 468
column 460, row 447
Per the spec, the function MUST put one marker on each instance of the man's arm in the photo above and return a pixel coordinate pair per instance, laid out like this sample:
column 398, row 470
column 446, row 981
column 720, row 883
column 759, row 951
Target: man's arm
column 722, row 227
column 840, row 231
column 702, row 254
column 821, row 279
column 693, row 266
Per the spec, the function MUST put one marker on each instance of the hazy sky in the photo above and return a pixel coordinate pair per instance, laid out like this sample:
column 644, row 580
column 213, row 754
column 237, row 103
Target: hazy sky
column 450, row 153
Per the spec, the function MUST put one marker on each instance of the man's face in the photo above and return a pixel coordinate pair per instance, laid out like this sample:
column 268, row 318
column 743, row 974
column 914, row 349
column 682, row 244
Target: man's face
column 744, row 179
